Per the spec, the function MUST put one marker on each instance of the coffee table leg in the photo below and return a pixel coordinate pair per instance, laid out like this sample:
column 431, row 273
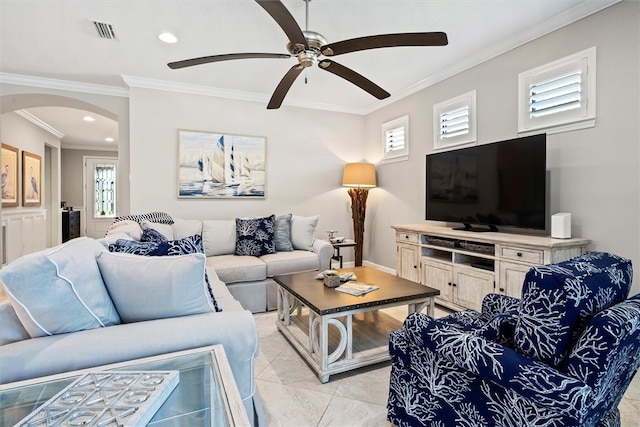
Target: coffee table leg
column 418, row 307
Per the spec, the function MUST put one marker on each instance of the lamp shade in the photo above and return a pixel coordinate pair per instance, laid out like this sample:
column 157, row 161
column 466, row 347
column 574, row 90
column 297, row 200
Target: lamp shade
column 361, row 175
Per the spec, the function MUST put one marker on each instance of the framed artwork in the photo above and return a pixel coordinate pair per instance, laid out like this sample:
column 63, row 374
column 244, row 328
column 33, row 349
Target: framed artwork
column 221, row 166
column 9, row 168
column 31, row 179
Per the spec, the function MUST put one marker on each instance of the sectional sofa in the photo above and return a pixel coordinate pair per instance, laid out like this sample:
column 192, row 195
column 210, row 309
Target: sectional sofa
column 77, row 305
column 246, row 270
column 90, row 302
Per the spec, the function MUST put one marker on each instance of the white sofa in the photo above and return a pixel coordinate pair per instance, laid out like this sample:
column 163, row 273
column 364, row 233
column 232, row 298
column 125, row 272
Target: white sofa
column 77, row 306
column 248, row 278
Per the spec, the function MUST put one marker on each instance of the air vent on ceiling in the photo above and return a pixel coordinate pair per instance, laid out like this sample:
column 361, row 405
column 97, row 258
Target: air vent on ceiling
column 105, row 31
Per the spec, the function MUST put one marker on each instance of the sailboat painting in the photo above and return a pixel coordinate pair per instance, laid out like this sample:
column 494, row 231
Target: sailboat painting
column 215, row 165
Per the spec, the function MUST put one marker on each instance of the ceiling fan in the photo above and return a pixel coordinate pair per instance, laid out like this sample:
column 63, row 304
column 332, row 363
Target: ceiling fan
column 308, row 46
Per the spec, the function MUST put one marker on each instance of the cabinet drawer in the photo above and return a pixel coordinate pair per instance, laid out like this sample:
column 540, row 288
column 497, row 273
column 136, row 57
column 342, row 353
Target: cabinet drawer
column 532, row 256
column 407, row 237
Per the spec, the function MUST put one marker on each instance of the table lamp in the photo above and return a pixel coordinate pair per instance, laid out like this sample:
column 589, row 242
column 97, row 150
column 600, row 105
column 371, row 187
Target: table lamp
column 360, row 177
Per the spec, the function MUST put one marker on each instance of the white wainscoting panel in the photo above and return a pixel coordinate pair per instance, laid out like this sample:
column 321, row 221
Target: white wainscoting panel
column 25, row 232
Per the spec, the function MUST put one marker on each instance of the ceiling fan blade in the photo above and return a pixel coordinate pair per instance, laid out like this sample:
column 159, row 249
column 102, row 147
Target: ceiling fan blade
column 385, row 40
column 284, row 86
column 283, row 17
column 225, row 57
column 353, row 77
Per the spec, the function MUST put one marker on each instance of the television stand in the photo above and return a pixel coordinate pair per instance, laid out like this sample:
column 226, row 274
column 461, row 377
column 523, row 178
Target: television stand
column 465, row 266
column 469, row 227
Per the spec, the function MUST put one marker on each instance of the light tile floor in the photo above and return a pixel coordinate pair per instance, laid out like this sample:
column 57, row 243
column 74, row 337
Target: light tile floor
column 292, row 395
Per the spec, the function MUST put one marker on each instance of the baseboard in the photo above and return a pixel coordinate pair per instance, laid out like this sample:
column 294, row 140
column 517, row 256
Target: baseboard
column 379, row 267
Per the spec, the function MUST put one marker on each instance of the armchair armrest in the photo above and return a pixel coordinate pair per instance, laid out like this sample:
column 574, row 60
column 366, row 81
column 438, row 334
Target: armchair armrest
column 495, row 304
column 324, row 250
column 501, row 365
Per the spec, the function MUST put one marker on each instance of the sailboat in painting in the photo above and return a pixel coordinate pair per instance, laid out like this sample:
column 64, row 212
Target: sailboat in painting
column 221, row 165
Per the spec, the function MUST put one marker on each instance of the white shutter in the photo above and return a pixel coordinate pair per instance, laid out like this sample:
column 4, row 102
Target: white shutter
column 454, row 123
column 553, row 96
column 559, row 96
column 395, row 140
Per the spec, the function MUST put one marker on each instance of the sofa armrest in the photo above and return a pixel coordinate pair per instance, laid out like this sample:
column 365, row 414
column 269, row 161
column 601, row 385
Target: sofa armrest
column 500, row 365
column 324, row 250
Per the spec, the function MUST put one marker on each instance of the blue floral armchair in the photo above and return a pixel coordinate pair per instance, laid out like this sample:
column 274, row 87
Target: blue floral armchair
column 562, row 355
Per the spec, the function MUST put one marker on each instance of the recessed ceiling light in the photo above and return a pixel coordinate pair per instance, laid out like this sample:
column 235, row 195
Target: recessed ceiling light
column 88, row 119
column 108, row 139
column 168, row 38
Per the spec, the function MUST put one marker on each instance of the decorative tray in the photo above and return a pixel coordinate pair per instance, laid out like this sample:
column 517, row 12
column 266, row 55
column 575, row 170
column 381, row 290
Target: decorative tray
column 106, row 399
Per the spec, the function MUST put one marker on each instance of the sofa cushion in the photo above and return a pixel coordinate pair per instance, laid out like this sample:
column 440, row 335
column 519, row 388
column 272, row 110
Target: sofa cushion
column 186, row 227
column 282, row 234
column 559, row 299
column 147, row 288
column 303, row 231
column 219, row 237
column 290, row 262
column 11, row 329
column 255, row 236
column 60, row 289
column 234, row 268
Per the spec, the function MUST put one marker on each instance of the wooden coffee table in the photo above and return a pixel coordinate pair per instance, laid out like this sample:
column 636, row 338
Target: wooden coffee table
column 306, row 309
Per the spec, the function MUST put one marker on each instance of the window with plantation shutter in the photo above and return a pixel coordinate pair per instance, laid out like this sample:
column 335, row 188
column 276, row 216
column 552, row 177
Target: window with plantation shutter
column 559, row 96
column 454, row 122
column 395, row 139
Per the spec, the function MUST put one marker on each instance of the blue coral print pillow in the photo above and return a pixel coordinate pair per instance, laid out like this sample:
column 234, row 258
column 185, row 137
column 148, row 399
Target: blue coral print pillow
column 133, row 247
column 255, row 237
column 151, row 235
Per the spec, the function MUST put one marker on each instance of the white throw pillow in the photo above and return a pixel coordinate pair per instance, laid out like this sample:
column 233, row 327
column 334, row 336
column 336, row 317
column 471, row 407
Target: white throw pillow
column 60, row 289
column 219, row 237
column 128, row 227
column 303, row 231
column 147, row 288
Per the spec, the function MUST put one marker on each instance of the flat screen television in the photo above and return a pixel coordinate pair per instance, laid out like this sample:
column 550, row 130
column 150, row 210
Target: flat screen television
column 492, row 185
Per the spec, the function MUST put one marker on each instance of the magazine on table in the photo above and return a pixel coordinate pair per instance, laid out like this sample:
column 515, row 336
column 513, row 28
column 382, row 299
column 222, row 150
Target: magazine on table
column 356, row 288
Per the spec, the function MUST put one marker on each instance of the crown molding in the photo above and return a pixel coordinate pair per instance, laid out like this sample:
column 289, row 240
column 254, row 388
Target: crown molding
column 36, row 121
column 68, row 85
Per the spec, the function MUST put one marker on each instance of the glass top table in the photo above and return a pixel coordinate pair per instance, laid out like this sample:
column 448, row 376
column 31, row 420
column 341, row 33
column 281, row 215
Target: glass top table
column 205, row 396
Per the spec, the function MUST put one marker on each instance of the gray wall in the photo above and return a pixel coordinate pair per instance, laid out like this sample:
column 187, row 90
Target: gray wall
column 306, row 152
column 593, row 172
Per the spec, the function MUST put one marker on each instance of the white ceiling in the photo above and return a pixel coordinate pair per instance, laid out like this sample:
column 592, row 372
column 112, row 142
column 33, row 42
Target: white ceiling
column 56, row 39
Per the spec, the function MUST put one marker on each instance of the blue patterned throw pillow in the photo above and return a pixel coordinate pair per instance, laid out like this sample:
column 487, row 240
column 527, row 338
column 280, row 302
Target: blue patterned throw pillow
column 133, row 247
column 255, row 237
column 151, row 235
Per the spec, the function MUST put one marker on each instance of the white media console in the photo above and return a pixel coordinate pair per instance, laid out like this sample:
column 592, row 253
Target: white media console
column 465, row 266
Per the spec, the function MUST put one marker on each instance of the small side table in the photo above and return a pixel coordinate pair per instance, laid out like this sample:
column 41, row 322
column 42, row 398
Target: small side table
column 337, row 246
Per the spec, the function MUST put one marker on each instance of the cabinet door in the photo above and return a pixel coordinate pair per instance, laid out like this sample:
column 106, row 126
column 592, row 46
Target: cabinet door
column 512, row 277
column 407, row 262
column 439, row 276
column 470, row 286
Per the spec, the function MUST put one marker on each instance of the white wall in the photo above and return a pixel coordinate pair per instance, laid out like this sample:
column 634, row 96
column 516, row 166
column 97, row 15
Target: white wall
column 593, row 172
column 306, row 152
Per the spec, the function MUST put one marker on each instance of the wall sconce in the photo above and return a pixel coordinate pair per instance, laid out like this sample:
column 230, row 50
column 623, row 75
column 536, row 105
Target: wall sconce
column 360, row 177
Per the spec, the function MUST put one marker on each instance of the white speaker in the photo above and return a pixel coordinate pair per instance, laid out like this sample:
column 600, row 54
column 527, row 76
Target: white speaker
column 561, row 226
